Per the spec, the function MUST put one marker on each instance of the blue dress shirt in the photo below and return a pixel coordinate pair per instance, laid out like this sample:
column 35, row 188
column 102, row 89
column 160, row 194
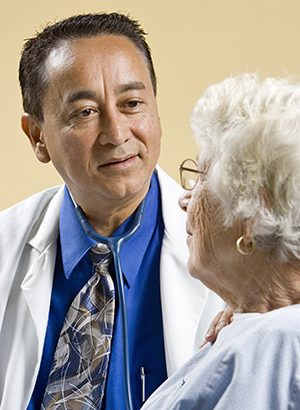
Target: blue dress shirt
column 140, row 259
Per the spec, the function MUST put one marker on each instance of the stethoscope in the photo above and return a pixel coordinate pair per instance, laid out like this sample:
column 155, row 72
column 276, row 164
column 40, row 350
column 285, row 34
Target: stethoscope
column 115, row 244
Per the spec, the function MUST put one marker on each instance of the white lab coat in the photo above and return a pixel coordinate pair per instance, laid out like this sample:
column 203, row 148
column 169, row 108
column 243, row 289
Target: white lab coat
column 28, row 233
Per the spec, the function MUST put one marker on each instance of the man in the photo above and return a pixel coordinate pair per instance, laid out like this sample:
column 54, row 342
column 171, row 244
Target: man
column 88, row 87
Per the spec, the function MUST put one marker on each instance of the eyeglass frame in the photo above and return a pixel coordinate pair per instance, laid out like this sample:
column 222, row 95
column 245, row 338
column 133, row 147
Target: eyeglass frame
column 196, row 171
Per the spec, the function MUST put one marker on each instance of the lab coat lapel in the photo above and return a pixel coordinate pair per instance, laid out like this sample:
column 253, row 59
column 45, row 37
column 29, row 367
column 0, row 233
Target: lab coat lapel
column 182, row 296
column 37, row 287
column 17, row 224
column 37, row 284
column 28, row 253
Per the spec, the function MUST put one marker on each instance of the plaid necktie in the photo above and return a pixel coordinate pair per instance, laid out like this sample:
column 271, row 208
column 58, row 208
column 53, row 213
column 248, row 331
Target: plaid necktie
column 79, row 370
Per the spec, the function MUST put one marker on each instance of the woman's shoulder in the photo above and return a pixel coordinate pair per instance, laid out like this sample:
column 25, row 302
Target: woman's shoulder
column 278, row 323
column 276, row 320
column 281, row 320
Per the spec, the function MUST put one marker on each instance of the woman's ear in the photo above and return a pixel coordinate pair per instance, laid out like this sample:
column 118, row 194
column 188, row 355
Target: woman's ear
column 33, row 130
column 267, row 202
column 266, row 198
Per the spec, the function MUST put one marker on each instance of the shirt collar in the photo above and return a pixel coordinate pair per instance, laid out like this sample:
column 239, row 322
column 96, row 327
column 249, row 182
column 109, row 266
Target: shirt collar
column 75, row 243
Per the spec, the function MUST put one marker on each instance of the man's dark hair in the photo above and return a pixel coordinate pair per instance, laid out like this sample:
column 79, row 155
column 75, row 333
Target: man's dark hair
column 32, row 69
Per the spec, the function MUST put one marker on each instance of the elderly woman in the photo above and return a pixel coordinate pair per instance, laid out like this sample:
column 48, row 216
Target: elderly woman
column 243, row 232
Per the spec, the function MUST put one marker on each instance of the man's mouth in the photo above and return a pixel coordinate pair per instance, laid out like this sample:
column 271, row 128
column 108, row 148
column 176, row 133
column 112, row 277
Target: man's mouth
column 119, row 162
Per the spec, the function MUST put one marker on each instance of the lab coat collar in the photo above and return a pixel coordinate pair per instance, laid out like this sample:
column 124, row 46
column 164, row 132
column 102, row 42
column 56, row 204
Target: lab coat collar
column 174, row 218
column 45, row 229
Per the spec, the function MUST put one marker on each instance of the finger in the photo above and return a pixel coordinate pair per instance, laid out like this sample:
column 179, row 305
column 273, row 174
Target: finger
column 222, row 319
column 203, row 344
column 210, row 334
column 225, row 319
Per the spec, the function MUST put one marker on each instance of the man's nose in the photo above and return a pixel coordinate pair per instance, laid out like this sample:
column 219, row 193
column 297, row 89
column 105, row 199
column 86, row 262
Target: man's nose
column 184, row 199
column 114, row 128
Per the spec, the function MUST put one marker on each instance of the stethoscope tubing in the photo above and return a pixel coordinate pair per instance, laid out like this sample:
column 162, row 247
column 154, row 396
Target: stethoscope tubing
column 115, row 244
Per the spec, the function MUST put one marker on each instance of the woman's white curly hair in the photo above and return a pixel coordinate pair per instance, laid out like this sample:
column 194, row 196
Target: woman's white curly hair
column 249, row 133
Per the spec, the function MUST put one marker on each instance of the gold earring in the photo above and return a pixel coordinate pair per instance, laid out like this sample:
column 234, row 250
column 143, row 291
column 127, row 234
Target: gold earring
column 239, row 248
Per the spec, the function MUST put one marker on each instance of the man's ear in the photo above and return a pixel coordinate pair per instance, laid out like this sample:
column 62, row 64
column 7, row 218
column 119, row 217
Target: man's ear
column 33, row 130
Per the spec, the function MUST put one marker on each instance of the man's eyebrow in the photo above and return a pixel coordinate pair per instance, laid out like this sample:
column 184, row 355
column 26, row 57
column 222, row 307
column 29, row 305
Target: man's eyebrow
column 135, row 85
column 81, row 95
column 90, row 95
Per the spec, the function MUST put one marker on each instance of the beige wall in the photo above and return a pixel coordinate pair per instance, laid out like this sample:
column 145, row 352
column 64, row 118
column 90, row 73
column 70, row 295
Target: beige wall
column 194, row 43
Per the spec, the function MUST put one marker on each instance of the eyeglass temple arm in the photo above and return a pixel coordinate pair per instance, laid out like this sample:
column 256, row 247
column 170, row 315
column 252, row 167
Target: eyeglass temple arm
column 181, row 168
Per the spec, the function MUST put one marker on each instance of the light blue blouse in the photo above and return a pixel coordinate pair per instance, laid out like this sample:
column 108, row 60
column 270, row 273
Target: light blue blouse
column 254, row 365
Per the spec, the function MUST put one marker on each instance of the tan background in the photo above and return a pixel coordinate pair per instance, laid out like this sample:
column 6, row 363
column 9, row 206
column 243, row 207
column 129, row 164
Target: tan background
column 194, row 43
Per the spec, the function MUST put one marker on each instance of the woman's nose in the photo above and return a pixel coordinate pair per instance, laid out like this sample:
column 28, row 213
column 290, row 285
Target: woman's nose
column 184, row 200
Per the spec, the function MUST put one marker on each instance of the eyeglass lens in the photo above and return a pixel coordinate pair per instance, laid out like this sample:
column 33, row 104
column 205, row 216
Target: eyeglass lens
column 189, row 178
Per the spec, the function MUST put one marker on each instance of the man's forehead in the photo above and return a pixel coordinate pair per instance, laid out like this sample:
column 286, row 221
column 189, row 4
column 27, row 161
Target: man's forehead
column 67, row 50
column 59, row 56
column 85, row 62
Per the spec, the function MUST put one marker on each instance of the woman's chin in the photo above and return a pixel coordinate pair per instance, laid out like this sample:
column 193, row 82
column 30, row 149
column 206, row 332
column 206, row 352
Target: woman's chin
column 193, row 270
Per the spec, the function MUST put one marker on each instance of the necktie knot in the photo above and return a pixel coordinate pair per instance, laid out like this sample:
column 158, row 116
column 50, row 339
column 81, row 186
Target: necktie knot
column 101, row 257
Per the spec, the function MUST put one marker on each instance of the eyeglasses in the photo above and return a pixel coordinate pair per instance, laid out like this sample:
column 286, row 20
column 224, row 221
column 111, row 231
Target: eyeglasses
column 189, row 174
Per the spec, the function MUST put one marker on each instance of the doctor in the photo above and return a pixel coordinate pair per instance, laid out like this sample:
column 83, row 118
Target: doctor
column 89, row 87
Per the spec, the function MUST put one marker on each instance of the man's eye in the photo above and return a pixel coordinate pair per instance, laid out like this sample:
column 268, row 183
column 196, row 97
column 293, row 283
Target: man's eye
column 132, row 104
column 86, row 112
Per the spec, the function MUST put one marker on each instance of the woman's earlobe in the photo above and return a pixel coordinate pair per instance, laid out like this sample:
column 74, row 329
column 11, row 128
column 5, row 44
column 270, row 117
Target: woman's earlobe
column 33, row 130
column 247, row 231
